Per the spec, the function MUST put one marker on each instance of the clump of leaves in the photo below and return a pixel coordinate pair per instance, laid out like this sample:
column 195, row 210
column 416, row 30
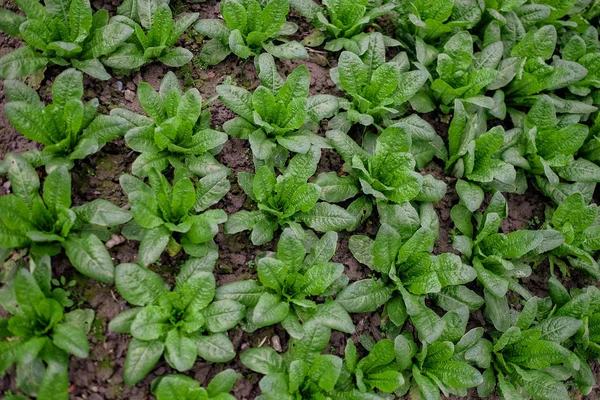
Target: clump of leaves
column 249, row 28
column 484, row 156
column 169, row 387
column 383, row 169
column 549, row 150
column 40, row 336
column 61, row 33
column 46, row 224
column 524, row 353
column 497, row 257
column 276, row 117
column 176, row 131
column 401, row 254
column 155, row 37
column 375, row 88
column 578, row 223
column 289, row 278
column 437, row 367
column 69, row 128
column 183, row 323
column 173, row 216
column 342, row 23
column 284, row 200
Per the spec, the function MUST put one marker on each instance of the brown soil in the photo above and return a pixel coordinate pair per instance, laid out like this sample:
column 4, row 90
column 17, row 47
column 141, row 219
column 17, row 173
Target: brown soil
column 100, row 376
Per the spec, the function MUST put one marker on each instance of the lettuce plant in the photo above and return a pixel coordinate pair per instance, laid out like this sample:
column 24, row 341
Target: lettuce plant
column 173, row 216
column 341, row 23
column 40, row 335
column 47, row 224
column 168, row 387
column 69, row 128
column 525, row 353
column 249, row 28
column 274, row 118
column 182, row 323
column 383, row 169
column 176, row 131
column 400, row 253
column 578, row 223
column 284, row 200
column 549, row 150
column 375, row 88
column 64, row 33
column 436, row 368
column 496, row 257
column 154, row 38
column 288, row 278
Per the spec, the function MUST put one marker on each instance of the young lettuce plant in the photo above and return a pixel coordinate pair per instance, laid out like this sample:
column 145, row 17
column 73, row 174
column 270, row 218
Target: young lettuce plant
column 60, row 34
column 496, row 257
column 400, row 253
column 47, row 224
column 176, row 131
column 169, row 387
column 249, row 28
column 433, row 369
column 153, row 40
column 40, row 336
column 275, row 117
column 289, row 277
column 525, row 355
column 579, row 224
column 486, row 157
column 375, row 88
column 69, row 128
column 342, row 23
column 168, row 216
column 383, row 169
column 301, row 373
column 549, row 150
column 286, row 200
column 182, row 323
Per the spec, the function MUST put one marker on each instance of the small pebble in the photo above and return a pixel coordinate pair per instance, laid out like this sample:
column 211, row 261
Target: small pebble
column 120, row 85
column 129, row 95
column 276, row 343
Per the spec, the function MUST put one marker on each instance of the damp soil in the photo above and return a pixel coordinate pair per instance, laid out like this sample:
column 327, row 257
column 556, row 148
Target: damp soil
column 100, row 376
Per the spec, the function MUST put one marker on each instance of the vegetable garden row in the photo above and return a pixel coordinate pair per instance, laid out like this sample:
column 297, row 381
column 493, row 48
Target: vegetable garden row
column 516, row 79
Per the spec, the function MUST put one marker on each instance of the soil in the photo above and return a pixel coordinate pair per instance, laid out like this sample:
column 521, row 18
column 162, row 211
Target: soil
column 100, row 376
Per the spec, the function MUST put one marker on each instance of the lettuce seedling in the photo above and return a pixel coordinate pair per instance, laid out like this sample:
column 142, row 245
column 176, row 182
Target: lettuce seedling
column 40, row 336
column 383, row 169
column 342, row 23
column 401, row 254
column 168, row 387
column 378, row 370
column 46, row 224
column 301, row 373
column 436, row 368
column 69, row 128
column 183, row 323
column 484, row 156
column 524, row 353
column 549, row 150
column 176, row 131
column 249, row 28
column 168, row 216
column 154, row 38
column 579, row 225
column 284, row 200
column 496, row 257
column 374, row 87
column 288, row 278
column 64, row 33
column 275, row 117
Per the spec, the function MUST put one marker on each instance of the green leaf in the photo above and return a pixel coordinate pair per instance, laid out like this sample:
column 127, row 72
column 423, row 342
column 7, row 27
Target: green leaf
column 364, row 296
column 324, row 217
column 21, row 62
column 263, row 360
column 353, row 73
column 456, row 374
column 471, row 195
column 222, row 315
column 269, row 310
column 559, row 328
column 88, row 254
column 211, row 189
column 334, row 188
column 57, row 190
column 103, row 213
column 215, row 348
column 223, row 382
column 140, row 360
column 71, row 339
column 180, row 350
column 138, row 285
